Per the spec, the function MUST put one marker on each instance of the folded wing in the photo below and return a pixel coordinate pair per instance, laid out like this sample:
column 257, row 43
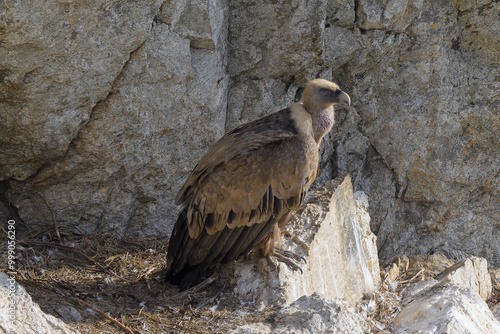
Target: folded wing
column 240, row 189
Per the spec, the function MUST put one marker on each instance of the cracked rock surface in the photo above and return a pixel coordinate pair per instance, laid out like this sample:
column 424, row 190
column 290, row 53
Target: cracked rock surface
column 122, row 169
column 57, row 61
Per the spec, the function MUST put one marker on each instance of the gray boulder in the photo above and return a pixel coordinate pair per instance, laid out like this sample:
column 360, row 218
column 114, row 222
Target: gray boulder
column 313, row 315
column 20, row 315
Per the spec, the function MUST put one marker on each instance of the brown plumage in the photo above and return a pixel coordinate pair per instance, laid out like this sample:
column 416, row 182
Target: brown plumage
column 248, row 183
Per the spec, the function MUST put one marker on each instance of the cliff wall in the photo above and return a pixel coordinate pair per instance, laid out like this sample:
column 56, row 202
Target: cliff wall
column 107, row 105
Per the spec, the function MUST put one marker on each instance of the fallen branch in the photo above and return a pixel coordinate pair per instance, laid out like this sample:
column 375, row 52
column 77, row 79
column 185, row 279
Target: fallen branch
column 411, row 279
column 198, row 287
column 113, row 320
column 450, row 269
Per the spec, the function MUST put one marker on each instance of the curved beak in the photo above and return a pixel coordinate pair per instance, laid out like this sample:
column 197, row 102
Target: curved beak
column 343, row 97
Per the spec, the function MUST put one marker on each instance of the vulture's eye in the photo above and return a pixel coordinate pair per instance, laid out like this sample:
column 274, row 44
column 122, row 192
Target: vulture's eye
column 325, row 91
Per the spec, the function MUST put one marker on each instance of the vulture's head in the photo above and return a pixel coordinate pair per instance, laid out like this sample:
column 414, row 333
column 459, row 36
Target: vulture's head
column 320, row 94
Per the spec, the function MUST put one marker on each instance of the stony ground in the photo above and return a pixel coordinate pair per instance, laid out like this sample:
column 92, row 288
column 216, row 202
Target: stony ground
column 99, row 275
column 116, row 285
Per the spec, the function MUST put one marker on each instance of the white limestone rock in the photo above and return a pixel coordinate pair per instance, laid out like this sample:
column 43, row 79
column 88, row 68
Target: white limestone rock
column 471, row 273
column 446, row 309
column 332, row 233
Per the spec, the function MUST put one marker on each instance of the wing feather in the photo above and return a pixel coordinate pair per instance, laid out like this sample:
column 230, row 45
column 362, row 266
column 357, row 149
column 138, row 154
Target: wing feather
column 262, row 183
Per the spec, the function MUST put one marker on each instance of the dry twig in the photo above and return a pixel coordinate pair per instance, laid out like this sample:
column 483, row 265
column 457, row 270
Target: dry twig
column 411, row 279
column 53, row 218
column 198, row 287
column 73, row 249
column 113, row 320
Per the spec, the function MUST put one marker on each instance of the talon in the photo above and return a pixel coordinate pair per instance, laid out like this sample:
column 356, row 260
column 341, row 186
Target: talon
column 294, row 256
column 271, row 262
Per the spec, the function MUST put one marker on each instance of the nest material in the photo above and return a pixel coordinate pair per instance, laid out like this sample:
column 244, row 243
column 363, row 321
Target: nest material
column 116, row 284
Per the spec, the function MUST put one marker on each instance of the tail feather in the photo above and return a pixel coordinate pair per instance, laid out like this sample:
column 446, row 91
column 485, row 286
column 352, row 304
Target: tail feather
column 182, row 270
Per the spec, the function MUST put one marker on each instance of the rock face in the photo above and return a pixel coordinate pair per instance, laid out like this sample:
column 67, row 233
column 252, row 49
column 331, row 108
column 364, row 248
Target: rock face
column 167, row 104
column 439, row 146
column 332, row 234
column 57, row 61
column 28, row 318
column 106, row 106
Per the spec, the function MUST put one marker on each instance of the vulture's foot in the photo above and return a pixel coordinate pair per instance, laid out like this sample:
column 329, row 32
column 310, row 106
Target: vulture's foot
column 289, row 258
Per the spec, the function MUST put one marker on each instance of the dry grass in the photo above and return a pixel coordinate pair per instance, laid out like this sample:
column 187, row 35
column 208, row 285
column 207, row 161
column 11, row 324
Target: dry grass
column 116, row 284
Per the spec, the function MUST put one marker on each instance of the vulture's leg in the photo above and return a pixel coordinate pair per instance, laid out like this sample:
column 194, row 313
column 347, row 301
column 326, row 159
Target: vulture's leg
column 289, row 258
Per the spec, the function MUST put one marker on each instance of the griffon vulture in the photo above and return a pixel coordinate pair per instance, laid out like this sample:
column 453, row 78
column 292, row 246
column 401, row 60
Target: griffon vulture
column 248, row 185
